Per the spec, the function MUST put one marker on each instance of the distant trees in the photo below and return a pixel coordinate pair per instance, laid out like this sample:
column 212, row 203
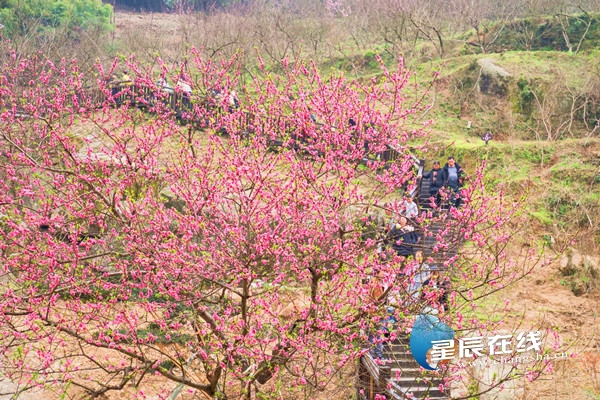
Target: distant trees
column 558, row 109
column 407, row 26
column 165, row 5
column 146, row 5
column 343, row 31
column 57, row 28
column 42, row 17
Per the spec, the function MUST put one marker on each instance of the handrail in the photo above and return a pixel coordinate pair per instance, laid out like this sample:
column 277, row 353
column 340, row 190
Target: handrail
column 181, row 103
column 420, row 164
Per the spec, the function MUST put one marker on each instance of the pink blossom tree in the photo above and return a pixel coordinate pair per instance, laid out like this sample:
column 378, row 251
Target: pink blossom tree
column 142, row 250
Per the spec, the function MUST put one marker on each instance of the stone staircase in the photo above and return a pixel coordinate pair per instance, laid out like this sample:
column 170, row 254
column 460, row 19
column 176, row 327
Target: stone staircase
column 397, row 375
column 407, row 377
column 439, row 255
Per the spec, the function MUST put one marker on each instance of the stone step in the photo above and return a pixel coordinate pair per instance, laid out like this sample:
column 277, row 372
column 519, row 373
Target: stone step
column 397, row 347
column 405, row 377
column 418, row 392
column 413, row 373
column 407, row 360
column 406, row 365
column 410, row 377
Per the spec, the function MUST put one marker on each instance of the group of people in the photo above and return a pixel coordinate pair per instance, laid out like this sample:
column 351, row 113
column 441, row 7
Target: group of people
column 427, row 292
column 401, row 237
column 446, row 181
column 186, row 89
column 398, row 233
column 117, row 83
column 426, row 284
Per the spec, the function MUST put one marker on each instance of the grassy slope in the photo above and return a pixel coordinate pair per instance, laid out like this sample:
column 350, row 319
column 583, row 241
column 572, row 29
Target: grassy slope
column 561, row 177
column 562, row 181
column 512, row 156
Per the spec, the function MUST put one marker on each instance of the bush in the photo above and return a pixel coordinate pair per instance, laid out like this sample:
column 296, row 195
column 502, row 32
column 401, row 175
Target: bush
column 41, row 17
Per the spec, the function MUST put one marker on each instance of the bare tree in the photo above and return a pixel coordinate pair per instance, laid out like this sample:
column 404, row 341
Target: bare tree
column 565, row 21
column 481, row 15
column 561, row 109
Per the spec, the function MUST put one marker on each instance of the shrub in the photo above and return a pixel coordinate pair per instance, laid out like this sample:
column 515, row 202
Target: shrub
column 41, row 17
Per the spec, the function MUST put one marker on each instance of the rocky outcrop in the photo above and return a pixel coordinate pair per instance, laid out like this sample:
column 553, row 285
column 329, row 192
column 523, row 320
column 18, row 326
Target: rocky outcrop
column 581, row 272
column 493, row 80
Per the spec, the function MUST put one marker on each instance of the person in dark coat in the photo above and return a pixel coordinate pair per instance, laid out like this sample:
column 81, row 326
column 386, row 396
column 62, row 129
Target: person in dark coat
column 436, row 179
column 453, row 177
column 403, row 238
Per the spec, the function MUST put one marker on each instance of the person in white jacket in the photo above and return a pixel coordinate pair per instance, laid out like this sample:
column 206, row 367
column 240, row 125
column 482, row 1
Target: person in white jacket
column 411, row 210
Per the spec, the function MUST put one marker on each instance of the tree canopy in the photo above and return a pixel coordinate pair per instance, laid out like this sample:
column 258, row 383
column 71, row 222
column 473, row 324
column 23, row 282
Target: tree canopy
column 164, row 5
column 136, row 241
column 40, row 17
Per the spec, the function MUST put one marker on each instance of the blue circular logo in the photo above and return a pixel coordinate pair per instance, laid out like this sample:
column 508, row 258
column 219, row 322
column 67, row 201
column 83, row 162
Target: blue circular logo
column 427, row 329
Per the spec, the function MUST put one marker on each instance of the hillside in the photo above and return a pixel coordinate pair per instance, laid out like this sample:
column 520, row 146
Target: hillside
column 542, row 108
column 537, row 96
column 542, row 113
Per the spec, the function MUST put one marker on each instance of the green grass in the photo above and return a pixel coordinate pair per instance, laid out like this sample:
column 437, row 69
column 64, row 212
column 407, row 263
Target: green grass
column 543, row 216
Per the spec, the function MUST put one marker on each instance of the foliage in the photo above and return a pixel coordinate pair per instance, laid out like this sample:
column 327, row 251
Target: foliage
column 177, row 5
column 526, row 96
column 20, row 17
column 555, row 33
